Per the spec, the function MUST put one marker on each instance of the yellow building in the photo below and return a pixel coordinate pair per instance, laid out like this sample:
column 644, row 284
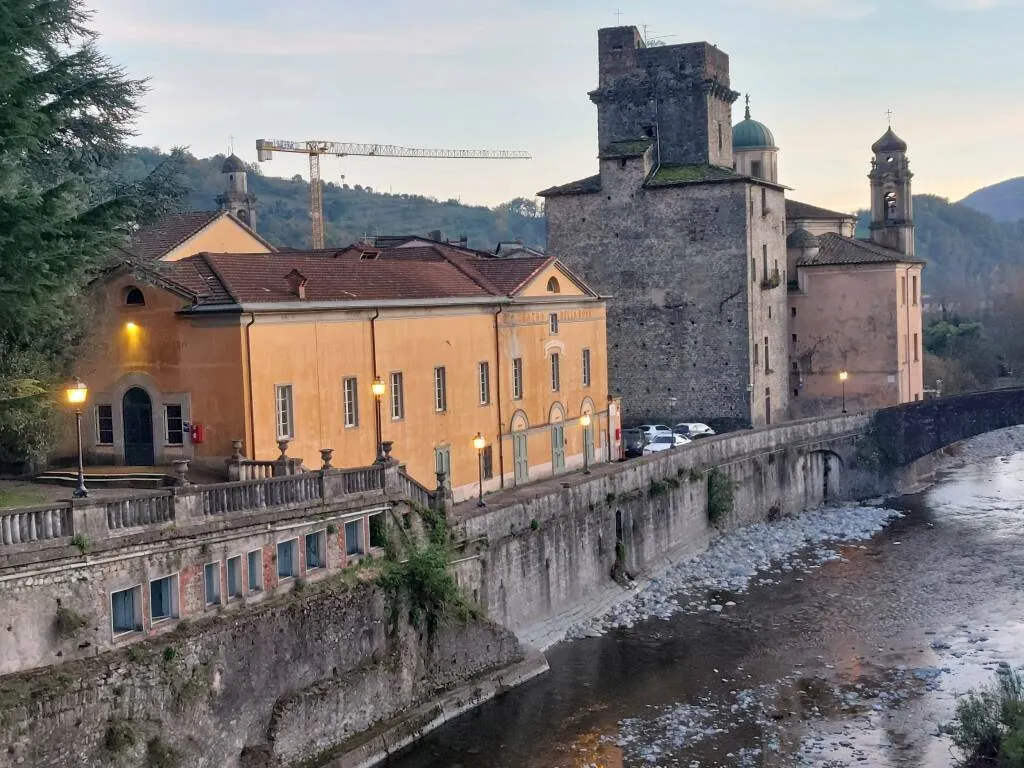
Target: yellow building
column 262, row 347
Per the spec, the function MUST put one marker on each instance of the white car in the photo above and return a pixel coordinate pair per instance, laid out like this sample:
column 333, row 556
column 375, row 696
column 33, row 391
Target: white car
column 664, row 443
column 653, row 430
column 693, row 429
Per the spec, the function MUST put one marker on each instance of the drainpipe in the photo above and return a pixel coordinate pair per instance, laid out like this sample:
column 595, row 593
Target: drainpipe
column 497, row 378
column 248, row 368
column 373, row 340
column 379, row 437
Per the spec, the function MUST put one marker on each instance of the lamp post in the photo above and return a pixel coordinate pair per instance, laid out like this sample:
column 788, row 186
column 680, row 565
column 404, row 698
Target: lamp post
column 585, row 423
column 843, row 376
column 378, row 392
column 479, row 443
column 76, row 396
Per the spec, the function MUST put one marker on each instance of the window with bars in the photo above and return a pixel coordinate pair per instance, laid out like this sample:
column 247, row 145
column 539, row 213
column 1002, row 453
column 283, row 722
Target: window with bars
column 484, row 376
column 586, row 367
column 285, row 414
column 397, row 395
column 517, row 378
column 440, row 389
column 105, row 424
column 556, row 372
column 350, row 392
column 553, row 322
column 173, row 425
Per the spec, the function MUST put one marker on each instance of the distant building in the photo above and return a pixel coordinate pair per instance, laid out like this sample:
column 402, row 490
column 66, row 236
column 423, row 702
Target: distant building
column 263, row 347
column 690, row 250
column 236, row 199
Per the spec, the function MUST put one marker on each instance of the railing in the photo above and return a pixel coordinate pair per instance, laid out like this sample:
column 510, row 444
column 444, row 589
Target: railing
column 253, row 495
column 134, row 512
column 362, row 480
column 414, row 491
column 250, row 469
column 28, row 524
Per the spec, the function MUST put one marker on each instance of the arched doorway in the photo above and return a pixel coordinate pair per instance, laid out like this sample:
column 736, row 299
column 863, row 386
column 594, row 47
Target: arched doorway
column 137, row 412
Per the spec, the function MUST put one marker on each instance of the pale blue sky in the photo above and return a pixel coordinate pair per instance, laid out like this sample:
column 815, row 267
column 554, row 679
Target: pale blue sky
column 514, row 74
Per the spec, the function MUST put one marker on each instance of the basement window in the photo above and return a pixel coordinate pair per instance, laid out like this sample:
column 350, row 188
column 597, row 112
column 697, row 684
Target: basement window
column 163, row 598
column 126, row 610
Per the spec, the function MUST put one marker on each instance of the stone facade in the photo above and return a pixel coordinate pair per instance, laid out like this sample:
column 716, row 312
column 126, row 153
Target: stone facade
column 679, row 241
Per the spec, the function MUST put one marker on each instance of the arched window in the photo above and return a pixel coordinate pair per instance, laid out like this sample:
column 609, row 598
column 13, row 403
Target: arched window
column 553, row 286
column 890, row 205
column 134, row 297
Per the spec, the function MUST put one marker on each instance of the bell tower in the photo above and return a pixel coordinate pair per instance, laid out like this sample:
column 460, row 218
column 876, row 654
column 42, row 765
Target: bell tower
column 235, row 199
column 892, row 208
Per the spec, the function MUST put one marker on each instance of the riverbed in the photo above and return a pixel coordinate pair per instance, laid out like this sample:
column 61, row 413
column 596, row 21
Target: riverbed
column 824, row 661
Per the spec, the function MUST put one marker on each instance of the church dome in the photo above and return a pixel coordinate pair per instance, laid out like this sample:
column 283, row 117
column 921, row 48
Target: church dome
column 801, row 238
column 232, row 164
column 889, row 142
column 751, row 134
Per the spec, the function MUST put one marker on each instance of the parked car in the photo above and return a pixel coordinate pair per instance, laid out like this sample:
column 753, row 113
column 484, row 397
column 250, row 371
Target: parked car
column 653, row 430
column 633, row 442
column 664, row 443
column 693, row 430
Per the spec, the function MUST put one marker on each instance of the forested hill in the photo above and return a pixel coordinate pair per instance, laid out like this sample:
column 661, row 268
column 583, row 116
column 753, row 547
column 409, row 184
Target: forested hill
column 969, row 255
column 1003, row 201
column 282, row 209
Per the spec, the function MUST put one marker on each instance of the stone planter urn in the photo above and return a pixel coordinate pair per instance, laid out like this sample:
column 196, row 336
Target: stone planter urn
column 325, row 457
column 282, row 445
column 385, row 447
column 181, row 471
column 236, row 446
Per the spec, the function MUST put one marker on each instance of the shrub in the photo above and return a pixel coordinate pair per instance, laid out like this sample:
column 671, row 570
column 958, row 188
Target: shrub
column 609, row 497
column 331, row 529
column 120, row 735
column 423, row 583
column 68, row 623
column 534, row 525
column 988, row 727
column 720, row 495
column 170, row 653
column 81, row 542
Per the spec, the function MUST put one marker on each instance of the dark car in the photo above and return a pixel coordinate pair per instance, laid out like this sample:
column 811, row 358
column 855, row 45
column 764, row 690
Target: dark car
column 633, row 442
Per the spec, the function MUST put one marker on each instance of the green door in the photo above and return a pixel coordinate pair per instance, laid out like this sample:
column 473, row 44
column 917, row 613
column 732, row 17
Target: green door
column 521, row 463
column 588, row 443
column 557, row 448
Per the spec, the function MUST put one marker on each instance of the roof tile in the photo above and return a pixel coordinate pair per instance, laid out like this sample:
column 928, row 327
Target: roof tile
column 836, row 249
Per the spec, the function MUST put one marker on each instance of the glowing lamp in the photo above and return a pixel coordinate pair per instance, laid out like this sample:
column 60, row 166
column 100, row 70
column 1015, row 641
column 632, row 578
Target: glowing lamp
column 378, row 387
column 77, row 393
column 479, row 442
column 585, row 420
column 131, row 327
column 843, row 375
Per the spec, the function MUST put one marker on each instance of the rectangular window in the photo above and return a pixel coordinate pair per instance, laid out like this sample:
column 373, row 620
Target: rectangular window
column 756, row 351
column 913, row 289
column 316, row 550
column 484, row 376
column 163, row 598
column 753, row 269
column 586, row 367
column 288, row 559
column 720, row 137
column 440, row 390
column 211, row 583
column 916, row 352
column 378, row 531
column 255, row 566
column 903, row 291
column 556, row 374
column 553, row 322
column 767, row 367
column 764, row 261
column 755, row 169
column 173, row 424
column 285, row 414
column 397, row 396
column 234, row 577
column 354, row 537
column 126, row 610
column 105, row 424
column 792, row 311
column 764, row 201
column 906, row 349
column 487, row 459
column 517, row 378
column 350, row 391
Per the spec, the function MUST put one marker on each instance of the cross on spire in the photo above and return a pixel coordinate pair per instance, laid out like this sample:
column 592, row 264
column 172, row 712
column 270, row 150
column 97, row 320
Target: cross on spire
column 618, row 17
column 747, row 113
column 231, row 138
column 888, row 114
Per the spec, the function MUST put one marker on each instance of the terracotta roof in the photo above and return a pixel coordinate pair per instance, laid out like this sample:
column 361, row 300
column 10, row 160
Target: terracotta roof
column 798, row 210
column 836, row 249
column 156, row 240
column 356, row 273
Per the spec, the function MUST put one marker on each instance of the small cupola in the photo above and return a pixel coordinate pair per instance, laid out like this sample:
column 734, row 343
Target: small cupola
column 296, row 283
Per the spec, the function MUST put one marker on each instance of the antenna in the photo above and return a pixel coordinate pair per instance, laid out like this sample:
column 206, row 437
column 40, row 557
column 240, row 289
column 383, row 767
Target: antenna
column 653, row 39
column 231, row 138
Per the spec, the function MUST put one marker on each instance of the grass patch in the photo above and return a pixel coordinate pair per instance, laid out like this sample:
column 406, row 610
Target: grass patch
column 988, row 728
column 721, row 489
column 21, row 497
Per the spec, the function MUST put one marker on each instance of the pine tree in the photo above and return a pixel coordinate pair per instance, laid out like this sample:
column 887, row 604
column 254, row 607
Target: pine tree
column 65, row 114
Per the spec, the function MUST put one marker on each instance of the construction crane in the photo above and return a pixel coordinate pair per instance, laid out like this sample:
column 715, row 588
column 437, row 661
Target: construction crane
column 265, row 149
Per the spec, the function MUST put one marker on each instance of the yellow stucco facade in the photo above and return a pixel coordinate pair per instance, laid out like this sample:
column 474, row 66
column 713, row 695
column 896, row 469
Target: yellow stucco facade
column 520, row 370
column 225, row 234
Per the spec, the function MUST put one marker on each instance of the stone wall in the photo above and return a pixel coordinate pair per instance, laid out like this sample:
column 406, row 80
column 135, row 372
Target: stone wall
column 286, row 683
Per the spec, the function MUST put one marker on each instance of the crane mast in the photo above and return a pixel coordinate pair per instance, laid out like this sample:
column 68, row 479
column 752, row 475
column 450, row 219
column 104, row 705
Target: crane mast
column 265, row 149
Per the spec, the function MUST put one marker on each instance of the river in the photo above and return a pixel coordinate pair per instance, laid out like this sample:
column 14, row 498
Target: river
column 851, row 662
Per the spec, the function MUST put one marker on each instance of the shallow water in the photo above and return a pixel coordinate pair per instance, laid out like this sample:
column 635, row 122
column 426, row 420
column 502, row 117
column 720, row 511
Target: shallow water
column 855, row 662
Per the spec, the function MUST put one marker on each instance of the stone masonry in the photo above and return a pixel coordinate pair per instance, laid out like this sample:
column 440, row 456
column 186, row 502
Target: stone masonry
column 692, row 254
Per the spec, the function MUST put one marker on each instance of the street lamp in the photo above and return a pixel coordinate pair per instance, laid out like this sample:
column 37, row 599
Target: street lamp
column 585, row 423
column 378, row 392
column 76, row 396
column 479, row 443
column 843, row 376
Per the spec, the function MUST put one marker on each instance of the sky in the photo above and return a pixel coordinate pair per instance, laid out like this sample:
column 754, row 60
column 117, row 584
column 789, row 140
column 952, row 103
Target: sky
column 514, row 74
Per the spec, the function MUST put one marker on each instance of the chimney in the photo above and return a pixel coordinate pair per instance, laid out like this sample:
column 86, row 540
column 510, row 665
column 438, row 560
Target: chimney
column 297, row 283
column 435, row 235
column 463, row 241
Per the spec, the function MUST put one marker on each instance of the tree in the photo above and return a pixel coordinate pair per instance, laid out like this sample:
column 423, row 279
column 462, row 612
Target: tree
column 65, row 114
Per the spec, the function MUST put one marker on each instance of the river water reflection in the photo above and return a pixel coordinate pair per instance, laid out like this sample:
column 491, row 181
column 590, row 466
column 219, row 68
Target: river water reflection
column 851, row 663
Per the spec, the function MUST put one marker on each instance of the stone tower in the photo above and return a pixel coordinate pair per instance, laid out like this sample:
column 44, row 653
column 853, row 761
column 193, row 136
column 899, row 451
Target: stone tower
column 676, row 95
column 691, row 251
column 753, row 148
column 236, row 198
column 892, row 208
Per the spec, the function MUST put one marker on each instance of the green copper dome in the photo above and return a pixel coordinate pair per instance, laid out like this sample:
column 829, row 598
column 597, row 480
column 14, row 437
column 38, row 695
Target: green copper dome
column 751, row 134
